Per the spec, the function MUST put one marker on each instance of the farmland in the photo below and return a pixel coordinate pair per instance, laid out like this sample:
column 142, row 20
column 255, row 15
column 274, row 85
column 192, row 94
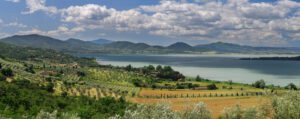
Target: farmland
column 147, row 85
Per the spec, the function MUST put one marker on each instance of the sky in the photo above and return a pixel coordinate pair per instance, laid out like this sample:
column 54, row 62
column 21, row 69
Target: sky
column 157, row 22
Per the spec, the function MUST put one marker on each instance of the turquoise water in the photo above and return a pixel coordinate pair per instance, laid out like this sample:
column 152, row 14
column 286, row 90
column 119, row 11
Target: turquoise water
column 216, row 67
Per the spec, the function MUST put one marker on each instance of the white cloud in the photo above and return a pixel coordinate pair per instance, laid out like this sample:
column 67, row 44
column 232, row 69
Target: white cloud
column 15, row 1
column 39, row 5
column 233, row 21
column 89, row 12
column 16, row 24
column 59, row 32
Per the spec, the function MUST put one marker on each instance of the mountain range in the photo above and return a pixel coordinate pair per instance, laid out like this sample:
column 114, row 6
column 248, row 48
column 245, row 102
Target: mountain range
column 106, row 46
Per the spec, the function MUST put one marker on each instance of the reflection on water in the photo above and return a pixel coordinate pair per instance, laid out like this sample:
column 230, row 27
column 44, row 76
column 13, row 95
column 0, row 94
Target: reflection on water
column 216, row 67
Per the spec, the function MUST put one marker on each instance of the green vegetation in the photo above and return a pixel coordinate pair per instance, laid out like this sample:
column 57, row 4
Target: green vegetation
column 37, row 83
column 259, row 84
column 163, row 111
column 22, row 98
column 291, row 86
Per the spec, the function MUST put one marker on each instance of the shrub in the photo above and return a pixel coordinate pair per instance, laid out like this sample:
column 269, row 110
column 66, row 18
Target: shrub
column 69, row 116
column 291, row 86
column 50, row 87
column 212, row 87
column 287, row 106
column 2, row 77
column 29, row 69
column 259, row 84
column 237, row 112
column 199, row 112
column 46, row 115
column 160, row 111
column 163, row 111
column 7, row 72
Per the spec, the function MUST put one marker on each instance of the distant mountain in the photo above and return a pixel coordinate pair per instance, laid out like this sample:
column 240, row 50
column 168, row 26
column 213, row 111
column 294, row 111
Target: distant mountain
column 180, row 46
column 127, row 45
column 45, row 42
column 78, row 46
column 81, row 45
column 101, row 41
column 224, row 47
column 297, row 58
column 36, row 41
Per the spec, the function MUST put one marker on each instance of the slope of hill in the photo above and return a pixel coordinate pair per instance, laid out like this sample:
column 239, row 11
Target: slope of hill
column 101, row 41
column 128, row 45
column 39, row 41
column 36, row 41
column 180, row 46
column 79, row 46
column 37, row 54
column 224, row 47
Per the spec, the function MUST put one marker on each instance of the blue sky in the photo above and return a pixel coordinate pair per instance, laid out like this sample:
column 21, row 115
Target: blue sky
column 158, row 22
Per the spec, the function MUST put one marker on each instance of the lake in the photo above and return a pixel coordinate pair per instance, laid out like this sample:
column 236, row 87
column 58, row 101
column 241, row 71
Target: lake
column 216, row 67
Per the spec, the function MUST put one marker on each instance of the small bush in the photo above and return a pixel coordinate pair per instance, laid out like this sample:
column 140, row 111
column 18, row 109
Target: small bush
column 259, row 84
column 287, row 106
column 199, row 112
column 212, row 87
column 7, row 72
column 163, row 111
column 237, row 112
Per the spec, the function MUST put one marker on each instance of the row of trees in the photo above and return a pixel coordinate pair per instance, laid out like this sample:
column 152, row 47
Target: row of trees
column 161, row 72
column 284, row 107
column 262, row 84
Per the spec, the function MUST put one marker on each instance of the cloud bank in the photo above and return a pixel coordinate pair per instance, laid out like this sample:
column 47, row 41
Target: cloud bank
column 237, row 21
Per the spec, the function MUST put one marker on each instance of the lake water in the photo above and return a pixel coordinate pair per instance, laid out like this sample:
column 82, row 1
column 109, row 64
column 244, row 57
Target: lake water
column 216, row 67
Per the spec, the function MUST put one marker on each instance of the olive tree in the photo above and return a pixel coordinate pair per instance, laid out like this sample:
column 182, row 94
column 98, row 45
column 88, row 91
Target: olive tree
column 237, row 112
column 200, row 111
column 160, row 111
column 163, row 111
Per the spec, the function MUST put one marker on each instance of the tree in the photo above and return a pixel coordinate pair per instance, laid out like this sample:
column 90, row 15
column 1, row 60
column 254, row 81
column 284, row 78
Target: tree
column 2, row 77
column 151, row 68
column 0, row 66
column 200, row 111
column 81, row 73
column 259, row 84
column 291, row 86
column 212, row 87
column 198, row 78
column 159, row 68
column 7, row 72
column 237, row 112
column 29, row 69
column 168, row 69
column 128, row 68
column 50, row 87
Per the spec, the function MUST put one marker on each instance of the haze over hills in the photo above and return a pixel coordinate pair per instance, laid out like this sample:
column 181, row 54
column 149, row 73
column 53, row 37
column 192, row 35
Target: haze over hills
column 106, row 46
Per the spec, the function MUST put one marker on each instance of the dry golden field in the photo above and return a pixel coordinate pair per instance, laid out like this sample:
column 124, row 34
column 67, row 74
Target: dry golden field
column 215, row 104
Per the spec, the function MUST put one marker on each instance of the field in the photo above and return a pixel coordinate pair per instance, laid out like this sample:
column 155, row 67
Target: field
column 100, row 82
column 215, row 103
